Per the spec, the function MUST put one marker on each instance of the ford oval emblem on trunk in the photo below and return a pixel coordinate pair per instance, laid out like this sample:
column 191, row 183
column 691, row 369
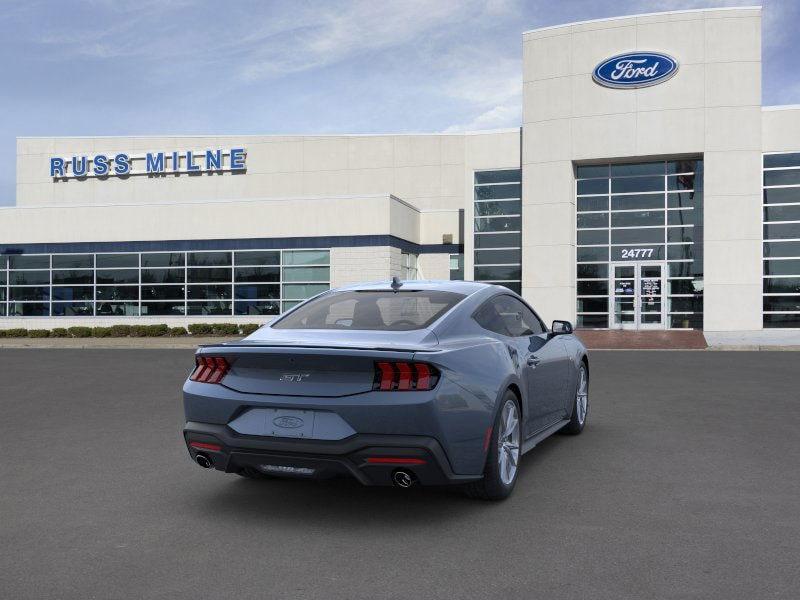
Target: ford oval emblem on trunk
column 635, row 70
column 288, row 422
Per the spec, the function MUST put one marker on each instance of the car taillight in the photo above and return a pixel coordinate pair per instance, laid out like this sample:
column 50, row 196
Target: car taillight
column 209, row 369
column 404, row 376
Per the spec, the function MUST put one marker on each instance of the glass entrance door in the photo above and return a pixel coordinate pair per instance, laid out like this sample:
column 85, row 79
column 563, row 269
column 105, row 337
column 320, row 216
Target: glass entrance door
column 637, row 299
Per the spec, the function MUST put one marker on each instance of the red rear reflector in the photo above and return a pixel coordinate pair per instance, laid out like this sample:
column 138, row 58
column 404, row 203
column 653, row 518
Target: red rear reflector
column 404, row 376
column 394, row 460
column 205, row 446
column 210, row 369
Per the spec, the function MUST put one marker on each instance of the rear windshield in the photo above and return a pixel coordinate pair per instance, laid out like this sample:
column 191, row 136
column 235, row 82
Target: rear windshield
column 376, row 311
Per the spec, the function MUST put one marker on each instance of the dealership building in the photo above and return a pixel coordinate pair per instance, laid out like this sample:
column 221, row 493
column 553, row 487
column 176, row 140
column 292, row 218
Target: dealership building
column 646, row 188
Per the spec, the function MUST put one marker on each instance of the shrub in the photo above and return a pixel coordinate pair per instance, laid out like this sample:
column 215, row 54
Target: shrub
column 225, row 329
column 2, row 333
column 120, row 330
column 101, row 332
column 157, row 330
column 80, row 332
column 138, row 331
column 177, row 331
column 201, row 328
column 59, row 332
column 248, row 328
column 38, row 333
column 16, row 332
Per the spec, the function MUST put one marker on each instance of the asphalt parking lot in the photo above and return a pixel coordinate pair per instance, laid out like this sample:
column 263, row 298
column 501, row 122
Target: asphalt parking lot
column 684, row 485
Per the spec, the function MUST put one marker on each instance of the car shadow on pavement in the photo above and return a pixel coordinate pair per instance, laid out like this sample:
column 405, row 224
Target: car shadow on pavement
column 351, row 505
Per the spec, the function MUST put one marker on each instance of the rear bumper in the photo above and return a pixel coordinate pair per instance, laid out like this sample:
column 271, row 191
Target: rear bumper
column 370, row 459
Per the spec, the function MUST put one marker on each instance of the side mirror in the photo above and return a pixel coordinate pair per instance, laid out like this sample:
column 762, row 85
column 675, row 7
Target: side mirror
column 561, row 328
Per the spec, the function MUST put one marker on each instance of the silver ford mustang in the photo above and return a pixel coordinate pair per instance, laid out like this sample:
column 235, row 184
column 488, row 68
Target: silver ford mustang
column 436, row 382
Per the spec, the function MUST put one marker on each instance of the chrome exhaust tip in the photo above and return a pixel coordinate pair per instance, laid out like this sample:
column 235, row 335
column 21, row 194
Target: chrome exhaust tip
column 403, row 479
column 204, row 461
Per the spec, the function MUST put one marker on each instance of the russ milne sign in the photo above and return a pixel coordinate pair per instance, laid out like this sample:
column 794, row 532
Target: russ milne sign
column 150, row 163
column 635, row 70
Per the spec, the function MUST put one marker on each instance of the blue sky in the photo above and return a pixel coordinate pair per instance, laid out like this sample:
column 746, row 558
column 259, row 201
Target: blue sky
column 104, row 67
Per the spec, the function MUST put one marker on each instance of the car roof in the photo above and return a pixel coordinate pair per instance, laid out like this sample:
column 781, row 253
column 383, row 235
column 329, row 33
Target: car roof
column 466, row 288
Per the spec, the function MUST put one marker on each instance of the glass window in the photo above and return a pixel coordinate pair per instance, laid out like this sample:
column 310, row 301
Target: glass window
column 118, row 276
column 117, row 261
column 117, row 292
column 257, row 273
column 503, row 176
column 456, row 267
column 209, row 275
column 592, row 271
column 589, row 254
column 306, row 273
column 208, row 308
column 637, row 202
column 782, row 267
column 2, row 277
column 301, row 291
column 782, row 160
column 590, row 220
column 28, row 309
column 29, row 293
column 684, row 166
column 782, row 285
column 788, row 177
column 782, row 231
column 491, row 192
column 256, row 308
column 508, row 316
column 62, row 277
column 680, row 234
column 648, row 168
column 782, row 249
column 775, row 320
column 782, row 213
column 685, row 286
column 208, row 292
column 680, row 182
column 73, row 309
column 498, row 257
column 506, row 207
column 162, row 292
column 782, row 303
column 162, row 308
column 29, row 277
column 372, row 310
column 592, row 203
column 117, row 309
column 498, row 240
column 258, row 257
column 84, row 292
column 637, row 219
column 256, row 292
column 638, row 252
column 682, row 217
column 593, row 321
column 209, row 259
column 306, row 257
column 29, row 261
column 681, row 269
column 492, row 224
column 637, row 236
column 593, row 236
column 592, row 186
column 680, row 252
column 637, row 184
column 782, row 195
column 586, row 171
column 694, row 321
column 597, row 305
column 163, row 276
column 163, row 259
column 497, row 273
column 684, row 199
column 73, row 261
column 593, row 288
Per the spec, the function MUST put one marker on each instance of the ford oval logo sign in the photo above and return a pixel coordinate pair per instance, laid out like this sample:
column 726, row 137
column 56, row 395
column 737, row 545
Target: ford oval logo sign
column 635, row 70
column 287, row 422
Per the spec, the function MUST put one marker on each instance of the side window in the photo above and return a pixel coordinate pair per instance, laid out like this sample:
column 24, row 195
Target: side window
column 508, row 316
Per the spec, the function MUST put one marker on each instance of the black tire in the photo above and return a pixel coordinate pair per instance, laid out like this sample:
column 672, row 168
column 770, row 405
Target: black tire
column 492, row 487
column 576, row 424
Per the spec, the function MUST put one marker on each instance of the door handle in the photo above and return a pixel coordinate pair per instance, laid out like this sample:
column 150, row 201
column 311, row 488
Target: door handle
column 533, row 360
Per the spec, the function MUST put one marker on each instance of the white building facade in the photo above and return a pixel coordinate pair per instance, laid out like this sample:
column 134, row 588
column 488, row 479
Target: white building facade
column 655, row 192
